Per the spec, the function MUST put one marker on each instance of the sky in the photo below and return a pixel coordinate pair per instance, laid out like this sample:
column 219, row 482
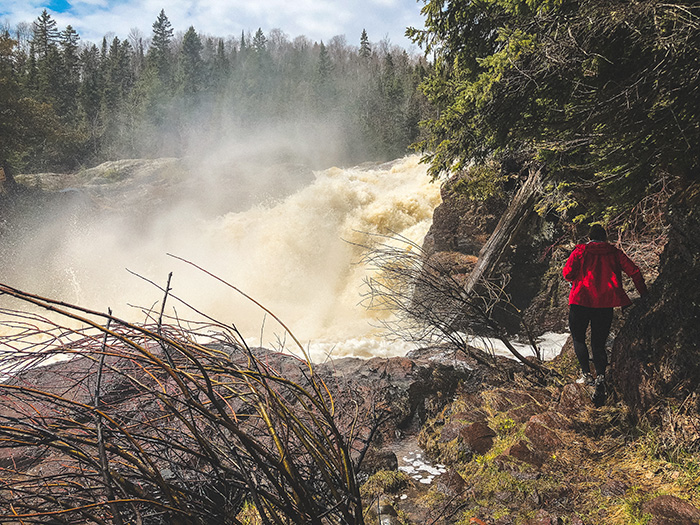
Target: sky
column 316, row 19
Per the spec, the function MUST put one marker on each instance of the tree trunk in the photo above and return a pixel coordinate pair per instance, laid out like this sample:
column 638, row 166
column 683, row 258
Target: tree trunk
column 507, row 228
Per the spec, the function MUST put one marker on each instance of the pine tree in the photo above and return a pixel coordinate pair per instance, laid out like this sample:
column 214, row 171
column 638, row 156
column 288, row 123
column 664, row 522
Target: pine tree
column 221, row 63
column 9, row 99
column 90, row 95
column 191, row 65
column 159, row 55
column 325, row 66
column 325, row 94
column 365, row 48
column 259, row 41
column 119, row 79
column 70, row 77
column 45, row 35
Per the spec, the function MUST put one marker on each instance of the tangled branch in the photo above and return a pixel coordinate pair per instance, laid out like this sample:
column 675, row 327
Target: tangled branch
column 428, row 303
column 163, row 423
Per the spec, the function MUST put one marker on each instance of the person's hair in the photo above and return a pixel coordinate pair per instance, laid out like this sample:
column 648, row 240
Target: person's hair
column 597, row 233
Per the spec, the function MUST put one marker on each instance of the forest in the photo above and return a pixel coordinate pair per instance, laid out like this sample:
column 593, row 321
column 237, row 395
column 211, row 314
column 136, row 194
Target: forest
column 69, row 104
column 602, row 95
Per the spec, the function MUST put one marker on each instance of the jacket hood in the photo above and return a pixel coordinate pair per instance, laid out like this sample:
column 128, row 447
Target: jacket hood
column 599, row 248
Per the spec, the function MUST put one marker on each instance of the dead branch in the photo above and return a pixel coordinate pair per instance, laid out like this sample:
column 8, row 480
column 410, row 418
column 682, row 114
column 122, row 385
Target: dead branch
column 428, row 303
column 124, row 432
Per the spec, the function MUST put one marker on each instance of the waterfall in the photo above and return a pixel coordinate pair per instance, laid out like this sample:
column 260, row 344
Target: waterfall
column 296, row 254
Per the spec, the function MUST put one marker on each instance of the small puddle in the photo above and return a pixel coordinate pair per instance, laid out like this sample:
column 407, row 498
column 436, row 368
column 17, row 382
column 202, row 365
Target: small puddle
column 413, row 462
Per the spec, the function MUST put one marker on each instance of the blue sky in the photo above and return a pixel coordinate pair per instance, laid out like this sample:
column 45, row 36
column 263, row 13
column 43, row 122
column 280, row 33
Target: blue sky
column 316, row 19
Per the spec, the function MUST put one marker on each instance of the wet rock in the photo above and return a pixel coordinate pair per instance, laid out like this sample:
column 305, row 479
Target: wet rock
column 461, row 224
column 670, row 510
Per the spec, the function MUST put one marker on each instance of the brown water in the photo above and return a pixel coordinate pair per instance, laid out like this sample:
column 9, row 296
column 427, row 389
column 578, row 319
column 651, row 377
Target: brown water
column 294, row 255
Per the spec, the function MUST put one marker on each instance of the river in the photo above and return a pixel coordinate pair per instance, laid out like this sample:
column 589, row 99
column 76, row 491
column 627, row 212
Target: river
column 297, row 255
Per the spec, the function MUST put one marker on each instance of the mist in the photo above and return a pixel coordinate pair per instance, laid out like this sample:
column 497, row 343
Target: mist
column 256, row 211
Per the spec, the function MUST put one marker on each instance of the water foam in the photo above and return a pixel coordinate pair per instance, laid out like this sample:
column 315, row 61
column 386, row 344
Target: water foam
column 297, row 256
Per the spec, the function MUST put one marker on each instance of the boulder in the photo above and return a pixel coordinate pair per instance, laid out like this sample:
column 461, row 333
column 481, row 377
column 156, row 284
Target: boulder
column 522, row 452
column 574, row 399
column 451, row 483
column 670, row 510
column 477, row 437
column 541, row 437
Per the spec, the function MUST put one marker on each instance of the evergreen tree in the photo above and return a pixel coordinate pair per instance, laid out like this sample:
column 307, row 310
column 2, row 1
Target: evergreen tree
column 70, row 78
column 325, row 67
column 221, row 63
column 259, row 41
column 90, row 95
column 45, row 35
column 9, row 99
column 365, row 48
column 191, row 65
column 118, row 79
column 159, row 54
column 604, row 92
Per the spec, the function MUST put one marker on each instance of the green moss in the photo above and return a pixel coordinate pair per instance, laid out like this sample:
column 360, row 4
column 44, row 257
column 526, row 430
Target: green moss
column 632, row 507
column 385, row 482
column 503, row 425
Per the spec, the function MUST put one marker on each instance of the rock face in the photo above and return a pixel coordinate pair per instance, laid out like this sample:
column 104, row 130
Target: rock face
column 400, row 392
column 462, row 226
column 657, row 353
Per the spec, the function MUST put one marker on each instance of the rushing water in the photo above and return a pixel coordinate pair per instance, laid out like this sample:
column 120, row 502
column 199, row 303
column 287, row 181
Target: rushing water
column 298, row 256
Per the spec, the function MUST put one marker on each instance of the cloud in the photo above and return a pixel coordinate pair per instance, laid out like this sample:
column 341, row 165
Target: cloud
column 316, row 20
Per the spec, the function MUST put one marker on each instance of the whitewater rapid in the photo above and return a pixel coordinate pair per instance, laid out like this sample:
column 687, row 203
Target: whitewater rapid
column 297, row 255
column 300, row 257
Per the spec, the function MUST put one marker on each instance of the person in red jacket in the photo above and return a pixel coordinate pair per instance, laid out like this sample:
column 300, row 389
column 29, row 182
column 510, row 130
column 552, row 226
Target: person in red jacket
column 595, row 271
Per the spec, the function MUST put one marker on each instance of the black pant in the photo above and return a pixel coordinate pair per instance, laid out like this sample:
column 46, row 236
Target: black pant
column 600, row 320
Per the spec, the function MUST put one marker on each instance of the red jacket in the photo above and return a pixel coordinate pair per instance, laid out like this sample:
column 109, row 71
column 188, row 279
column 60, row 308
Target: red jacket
column 594, row 270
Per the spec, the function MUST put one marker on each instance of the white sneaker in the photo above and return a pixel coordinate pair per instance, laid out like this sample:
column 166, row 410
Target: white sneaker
column 585, row 379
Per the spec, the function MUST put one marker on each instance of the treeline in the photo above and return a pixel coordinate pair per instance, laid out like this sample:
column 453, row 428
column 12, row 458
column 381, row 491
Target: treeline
column 67, row 103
